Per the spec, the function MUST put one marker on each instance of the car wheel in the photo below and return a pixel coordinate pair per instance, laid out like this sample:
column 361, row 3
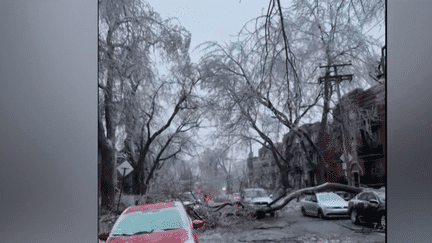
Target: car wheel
column 383, row 222
column 303, row 211
column 320, row 214
column 354, row 217
column 259, row 214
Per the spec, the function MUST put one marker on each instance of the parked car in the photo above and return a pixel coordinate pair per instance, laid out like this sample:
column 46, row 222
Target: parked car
column 161, row 222
column 323, row 205
column 345, row 195
column 188, row 199
column 235, row 197
column 257, row 198
column 368, row 206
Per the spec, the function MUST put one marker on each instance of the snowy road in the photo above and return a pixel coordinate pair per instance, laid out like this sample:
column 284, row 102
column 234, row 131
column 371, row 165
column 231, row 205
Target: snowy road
column 291, row 226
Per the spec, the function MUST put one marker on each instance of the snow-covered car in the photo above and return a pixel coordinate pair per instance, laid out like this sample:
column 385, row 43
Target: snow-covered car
column 160, row 222
column 188, row 198
column 257, row 198
column 323, row 205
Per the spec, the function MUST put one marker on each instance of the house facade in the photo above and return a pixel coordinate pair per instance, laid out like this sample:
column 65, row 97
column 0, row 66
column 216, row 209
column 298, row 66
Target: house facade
column 365, row 128
column 364, row 137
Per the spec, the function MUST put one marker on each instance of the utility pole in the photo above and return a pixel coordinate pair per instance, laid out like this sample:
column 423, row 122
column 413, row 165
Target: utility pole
column 338, row 79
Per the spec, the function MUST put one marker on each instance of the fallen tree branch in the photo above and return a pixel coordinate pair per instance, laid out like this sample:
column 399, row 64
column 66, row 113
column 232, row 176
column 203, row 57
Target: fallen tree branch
column 321, row 188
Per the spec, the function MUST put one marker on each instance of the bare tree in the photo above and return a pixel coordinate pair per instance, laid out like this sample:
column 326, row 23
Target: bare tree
column 155, row 112
column 335, row 32
column 272, row 70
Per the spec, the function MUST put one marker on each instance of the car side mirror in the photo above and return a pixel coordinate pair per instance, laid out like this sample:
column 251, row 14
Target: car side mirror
column 103, row 236
column 196, row 224
column 271, row 195
column 374, row 201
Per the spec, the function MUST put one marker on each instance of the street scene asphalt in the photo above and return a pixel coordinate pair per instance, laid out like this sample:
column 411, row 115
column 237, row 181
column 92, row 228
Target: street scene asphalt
column 290, row 226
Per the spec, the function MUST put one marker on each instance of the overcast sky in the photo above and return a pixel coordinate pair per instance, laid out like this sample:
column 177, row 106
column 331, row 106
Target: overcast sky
column 217, row 20
column 210, row 20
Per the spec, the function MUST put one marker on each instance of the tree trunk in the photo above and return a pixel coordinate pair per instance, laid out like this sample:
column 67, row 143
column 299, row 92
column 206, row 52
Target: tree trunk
column 321, row 188
column 106, row 172
column 284, row 178
column 106, row 143
column 136, row 190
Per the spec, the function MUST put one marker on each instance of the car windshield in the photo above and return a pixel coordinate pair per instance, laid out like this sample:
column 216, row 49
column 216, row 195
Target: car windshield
column 255, row 193
column 147, row 222
column 329, row 197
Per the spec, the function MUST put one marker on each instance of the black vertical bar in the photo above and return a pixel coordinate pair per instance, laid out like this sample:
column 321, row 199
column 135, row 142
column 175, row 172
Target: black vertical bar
column 121, row 189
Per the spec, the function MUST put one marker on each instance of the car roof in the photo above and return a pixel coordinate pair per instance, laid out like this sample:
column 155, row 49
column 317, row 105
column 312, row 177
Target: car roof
column 150, row 207
column 324, row 193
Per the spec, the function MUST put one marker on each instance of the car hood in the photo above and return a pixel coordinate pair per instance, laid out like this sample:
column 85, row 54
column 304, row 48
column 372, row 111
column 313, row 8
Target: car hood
column 334, row 203
column 259, row 200
column 179, row 235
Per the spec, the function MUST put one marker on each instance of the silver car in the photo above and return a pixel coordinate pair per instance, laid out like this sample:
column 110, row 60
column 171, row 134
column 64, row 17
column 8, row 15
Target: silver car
column 324, row 204
column 257, row 198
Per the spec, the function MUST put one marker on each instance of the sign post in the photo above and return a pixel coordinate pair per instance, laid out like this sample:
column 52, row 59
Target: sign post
column 344, row 163
column 126, row 168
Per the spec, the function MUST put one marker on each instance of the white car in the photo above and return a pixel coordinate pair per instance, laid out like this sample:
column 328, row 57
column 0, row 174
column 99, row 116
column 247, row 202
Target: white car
column 189, row 199
column 258, row 198
column 323, row 205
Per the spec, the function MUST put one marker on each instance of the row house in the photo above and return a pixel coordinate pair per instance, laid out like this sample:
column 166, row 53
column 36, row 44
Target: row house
column 364, row 119
column 364, row 140
column 365, row 143
column 366, row 130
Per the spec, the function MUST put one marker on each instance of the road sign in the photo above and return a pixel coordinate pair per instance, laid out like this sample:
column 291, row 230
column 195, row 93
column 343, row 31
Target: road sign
column 343, row 157
column 344, row 165
column 125, row 168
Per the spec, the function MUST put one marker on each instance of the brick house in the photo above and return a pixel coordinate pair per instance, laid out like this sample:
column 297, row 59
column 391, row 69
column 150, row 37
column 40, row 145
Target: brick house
column 366, row 131
column 365, row 122
column 365, row 125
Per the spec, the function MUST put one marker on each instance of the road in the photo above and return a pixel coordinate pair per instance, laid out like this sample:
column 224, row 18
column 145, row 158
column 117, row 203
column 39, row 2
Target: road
column 291, row 226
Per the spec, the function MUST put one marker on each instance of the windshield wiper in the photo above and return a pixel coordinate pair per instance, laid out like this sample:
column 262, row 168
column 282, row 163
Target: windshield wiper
column 121, row 235
column 143, row 232
column 137, row 233
column 168, row 229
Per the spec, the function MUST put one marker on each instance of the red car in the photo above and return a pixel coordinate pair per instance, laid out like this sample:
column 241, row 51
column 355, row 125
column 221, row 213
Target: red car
column 160, row 222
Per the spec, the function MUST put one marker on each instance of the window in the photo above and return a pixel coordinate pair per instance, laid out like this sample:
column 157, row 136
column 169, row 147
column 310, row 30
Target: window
column 371, row 197
column 373, row 169
column 313, row 198
column 363, row 196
